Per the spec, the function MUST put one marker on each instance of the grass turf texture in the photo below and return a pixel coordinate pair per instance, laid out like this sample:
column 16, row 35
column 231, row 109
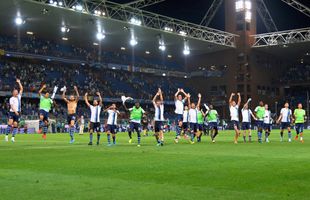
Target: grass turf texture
column 54, row 169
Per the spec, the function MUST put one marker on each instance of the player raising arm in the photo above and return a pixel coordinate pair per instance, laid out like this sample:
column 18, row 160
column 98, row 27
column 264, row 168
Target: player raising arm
column 158, row 102
column 179, row 111
column 246, row 120
column 192, row 117
column 112, row 123
column 234, row 114
column 45, row 106
column 15, row 111
column 71, row 107
column 285, row 118
column 95, row 109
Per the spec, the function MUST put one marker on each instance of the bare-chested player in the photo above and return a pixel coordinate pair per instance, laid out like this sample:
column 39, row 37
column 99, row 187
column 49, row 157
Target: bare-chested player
column 71, row 105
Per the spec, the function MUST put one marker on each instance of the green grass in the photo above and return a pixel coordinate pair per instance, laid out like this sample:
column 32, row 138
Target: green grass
column 53, row 169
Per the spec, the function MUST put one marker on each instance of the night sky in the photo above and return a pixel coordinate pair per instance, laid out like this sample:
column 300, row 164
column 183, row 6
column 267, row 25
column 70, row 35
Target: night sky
column 285, row 17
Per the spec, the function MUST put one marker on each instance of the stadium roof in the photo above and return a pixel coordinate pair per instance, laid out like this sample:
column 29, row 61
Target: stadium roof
column 83, row 27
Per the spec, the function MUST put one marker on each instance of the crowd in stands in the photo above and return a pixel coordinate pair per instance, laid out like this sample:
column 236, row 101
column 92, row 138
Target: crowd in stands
column 297, row 73
column 31, row 44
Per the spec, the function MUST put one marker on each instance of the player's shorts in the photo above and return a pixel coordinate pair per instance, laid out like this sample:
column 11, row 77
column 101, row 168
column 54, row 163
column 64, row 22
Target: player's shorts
column 267, row 127
column 95, row 126
column 246, row 126
column 299, row 127
column 193, row 127
column 235, row 123
column 44, row 114
column 179, row 117
column 111, row 128
column 285, row 125
column 133, row 126
column 185, row 125
column 158, row 126
column 70, row 118
column 144, row 126
column 212, row 125
column 260, row 124
column 200, row 127
column 13, row 116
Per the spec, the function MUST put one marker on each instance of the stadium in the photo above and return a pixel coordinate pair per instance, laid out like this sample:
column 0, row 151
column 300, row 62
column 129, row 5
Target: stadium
column 154, row 99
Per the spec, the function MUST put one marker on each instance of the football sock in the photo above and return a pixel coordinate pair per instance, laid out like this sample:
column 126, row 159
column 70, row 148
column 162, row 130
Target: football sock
column 109, row 138
column 90, row 137
column 113, row 137
column 14, row 132
column 8, row 130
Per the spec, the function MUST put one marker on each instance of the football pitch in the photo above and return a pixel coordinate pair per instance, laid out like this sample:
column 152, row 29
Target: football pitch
column 32, row 168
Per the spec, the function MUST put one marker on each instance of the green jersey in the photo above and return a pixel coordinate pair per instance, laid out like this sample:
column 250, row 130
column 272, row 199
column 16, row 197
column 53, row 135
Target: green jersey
column 260, row 112
column 299, row 115
column 212, row 116
column 45, row 103
column 199, row 117
column 136, row 114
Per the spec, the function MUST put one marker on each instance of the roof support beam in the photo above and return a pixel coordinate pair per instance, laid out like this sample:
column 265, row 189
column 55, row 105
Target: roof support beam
column 298, row 6
column 282, row 38
column 211, row 12
column 143, row 3
column 266, row 17
column 123, row 13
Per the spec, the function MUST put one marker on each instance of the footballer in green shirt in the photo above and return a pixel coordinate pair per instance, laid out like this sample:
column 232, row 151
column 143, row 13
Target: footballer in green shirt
column 299, row 118
column 212, row 117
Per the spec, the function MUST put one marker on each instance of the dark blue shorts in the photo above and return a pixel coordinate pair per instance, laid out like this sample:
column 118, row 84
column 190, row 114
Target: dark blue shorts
column 13, row 116
column 212, row 125
column 260, row 124
column 299, row 127
column 158, row 126
column 200, row 127
column 179, row 117
column 70, row 118
column 133, row 126
column 95, row 126
column 267, row 126
column 185, row 125
column 193, row 127
column 235, row 123
column 44, row 114
column 111, row 128
column 285, row 125
column 246, row 126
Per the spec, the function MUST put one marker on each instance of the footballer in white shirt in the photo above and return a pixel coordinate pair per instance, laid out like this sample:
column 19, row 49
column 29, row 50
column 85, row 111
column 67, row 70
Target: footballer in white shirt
column 179, row 102
column 95, row 110
column 192, row 117
column 234, row 114
column 247, row 115
column 112, row 123
column 285, row 118
column 267, row 122
column 15, row 110
column 158, row 103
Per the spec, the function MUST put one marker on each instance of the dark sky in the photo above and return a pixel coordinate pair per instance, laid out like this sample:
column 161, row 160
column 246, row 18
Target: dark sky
column 285, row 17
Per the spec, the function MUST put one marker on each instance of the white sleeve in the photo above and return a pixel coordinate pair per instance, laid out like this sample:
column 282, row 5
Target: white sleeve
column 256, row 109
column 282, row 111
column 11, row 101
column 130, row 109
column 143, row 111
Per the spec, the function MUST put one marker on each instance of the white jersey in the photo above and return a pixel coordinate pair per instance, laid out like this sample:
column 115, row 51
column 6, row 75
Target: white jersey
column 267, row 117
column 15, row 102
column 159, row 113
column 286, row 114
column 179, row 107
column 95, row 113
column 234, row 113
column 82, row 121
column 185, row 116
column 112, row 118
column 246, row 115
column 192, row 115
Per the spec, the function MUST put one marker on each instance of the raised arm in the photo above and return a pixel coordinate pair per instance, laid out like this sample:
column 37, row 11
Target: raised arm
column 239, row 99
column 199, row 100
column 160, row 94
column 40, row 91
column 100, row 98
column 154, row 99
column 86, row 99
column 230, row 98
column 64, row 96
column 176, row 94
column 189, row 100
column 77, row 94
column 21, row 88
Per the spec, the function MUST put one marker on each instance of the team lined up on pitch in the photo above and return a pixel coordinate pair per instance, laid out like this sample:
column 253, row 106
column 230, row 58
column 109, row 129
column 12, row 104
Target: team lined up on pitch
column 190, row 117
